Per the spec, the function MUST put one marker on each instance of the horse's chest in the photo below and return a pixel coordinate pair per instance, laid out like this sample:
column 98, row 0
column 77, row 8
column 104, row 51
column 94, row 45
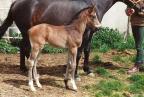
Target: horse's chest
column 75, row 40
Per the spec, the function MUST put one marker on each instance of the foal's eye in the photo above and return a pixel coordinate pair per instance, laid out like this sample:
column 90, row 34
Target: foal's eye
column 93, row 17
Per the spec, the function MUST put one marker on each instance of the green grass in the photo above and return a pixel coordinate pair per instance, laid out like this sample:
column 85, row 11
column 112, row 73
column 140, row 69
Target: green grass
column 107, row 88
column 96, row 59
column 136, row 77
column 123, row 59
column 102, row 72
column 121, row 71
column 50, row 49
column 137, row 83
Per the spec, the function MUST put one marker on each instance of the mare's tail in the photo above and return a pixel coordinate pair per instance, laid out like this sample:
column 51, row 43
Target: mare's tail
column 7, row 22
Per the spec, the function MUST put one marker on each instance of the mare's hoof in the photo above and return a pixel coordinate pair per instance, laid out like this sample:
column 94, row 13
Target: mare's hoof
column 77, row 78
column 23, row 69
column 91, row 75
column 66, row 84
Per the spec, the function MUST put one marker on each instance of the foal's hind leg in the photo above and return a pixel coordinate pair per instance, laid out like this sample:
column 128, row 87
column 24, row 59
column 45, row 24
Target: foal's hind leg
column 36, row 75
column 31, row 63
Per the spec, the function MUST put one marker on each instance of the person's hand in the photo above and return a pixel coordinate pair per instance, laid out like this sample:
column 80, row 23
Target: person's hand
column 129, row 11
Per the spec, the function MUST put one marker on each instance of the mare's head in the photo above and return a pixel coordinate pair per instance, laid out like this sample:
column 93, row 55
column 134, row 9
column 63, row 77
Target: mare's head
column 89, row 14
column 138, row 5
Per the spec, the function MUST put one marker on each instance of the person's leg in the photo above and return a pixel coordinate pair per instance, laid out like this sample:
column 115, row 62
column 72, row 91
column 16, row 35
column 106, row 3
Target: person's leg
column 138, row 33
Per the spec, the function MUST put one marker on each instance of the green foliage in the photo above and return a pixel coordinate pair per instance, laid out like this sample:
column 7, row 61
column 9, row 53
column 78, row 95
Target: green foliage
column 50, row 49
column 123, row 59
column 121, row 71
column 129, row 44
column 13, row 34
column 7, row 48
column 102, row 72
column 96, row 59
column 111, row 39
column 104, row 48
column 108, row 88
column 132, row 58
column 137, row 85
column 136, row 77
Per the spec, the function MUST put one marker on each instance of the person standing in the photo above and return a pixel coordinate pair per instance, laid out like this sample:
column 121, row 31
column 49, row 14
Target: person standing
column 137, row 23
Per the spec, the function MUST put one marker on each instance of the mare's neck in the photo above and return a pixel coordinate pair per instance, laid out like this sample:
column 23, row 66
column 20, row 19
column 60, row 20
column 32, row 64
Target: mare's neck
column 102, row 6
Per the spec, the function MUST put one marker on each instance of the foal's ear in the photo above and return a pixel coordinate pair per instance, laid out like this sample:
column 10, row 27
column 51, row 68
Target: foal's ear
column 91, row 9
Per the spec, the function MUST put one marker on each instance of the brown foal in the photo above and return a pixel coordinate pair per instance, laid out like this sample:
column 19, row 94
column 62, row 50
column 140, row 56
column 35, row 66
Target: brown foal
column 69, row 36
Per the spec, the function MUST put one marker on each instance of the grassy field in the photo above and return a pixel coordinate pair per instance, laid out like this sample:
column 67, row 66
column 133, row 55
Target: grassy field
column 112, row 78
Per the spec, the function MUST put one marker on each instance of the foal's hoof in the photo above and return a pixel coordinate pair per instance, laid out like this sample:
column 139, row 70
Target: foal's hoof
column 91, row 75
column 33, row 89
column 39, row 85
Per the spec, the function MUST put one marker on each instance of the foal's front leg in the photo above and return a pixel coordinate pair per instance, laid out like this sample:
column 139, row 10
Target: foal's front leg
column 73, row 67
column 67, row 71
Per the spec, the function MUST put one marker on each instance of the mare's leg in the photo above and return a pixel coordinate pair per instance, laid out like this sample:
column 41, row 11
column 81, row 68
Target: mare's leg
column 79, row 53
column 87, row 48
column 80, row 49
column 22, row 56
column 73, row 67
column 31, row 64
column 24, row 47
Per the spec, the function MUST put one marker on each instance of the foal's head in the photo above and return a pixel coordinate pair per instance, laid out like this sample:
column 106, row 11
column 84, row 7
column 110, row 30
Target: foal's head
column 90, row 15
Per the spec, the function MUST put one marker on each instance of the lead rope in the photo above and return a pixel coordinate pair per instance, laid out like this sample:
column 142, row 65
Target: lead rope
column 127, row 33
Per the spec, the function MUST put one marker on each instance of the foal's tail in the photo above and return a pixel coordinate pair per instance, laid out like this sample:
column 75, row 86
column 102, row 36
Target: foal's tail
column 7, row 22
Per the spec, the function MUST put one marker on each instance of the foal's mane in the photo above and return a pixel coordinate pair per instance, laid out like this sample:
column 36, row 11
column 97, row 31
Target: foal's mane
column 76, row 16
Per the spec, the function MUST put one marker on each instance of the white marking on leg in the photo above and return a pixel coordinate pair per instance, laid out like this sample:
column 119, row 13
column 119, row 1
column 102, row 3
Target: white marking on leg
column 30, row 83
column 36, row 75
column 37, row 81
column 73, row 67
column 73, row 84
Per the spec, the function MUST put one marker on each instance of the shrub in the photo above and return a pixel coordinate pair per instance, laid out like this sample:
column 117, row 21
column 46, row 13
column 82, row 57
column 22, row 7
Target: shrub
column 50, row 49
column 110, row 38
column 7, row 48
column 104, row 48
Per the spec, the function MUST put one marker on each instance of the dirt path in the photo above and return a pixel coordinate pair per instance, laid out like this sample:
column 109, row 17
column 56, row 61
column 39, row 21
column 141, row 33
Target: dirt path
column 14, row 84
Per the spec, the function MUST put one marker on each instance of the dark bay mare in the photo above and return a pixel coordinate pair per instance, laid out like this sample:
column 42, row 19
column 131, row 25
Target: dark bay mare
column 27, row 13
